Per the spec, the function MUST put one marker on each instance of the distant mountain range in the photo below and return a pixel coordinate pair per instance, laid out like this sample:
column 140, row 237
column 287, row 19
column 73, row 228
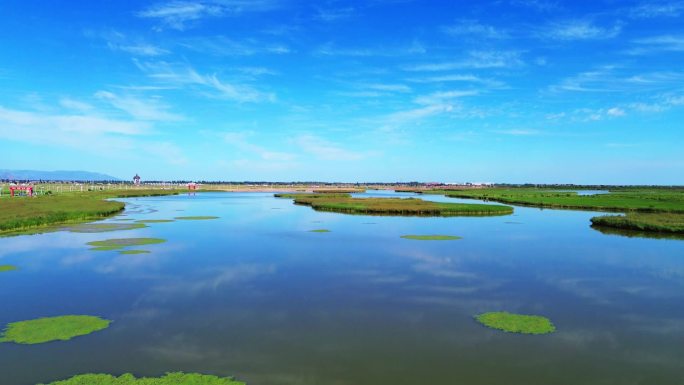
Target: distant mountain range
column 65, row 175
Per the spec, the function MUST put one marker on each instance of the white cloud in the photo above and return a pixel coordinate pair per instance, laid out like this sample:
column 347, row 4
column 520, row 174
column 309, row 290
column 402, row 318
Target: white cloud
column 579, row 30
column 326, row 150
column 239, row 140
column 518, row 132
column 670, row 43
column 141, row 49
column 652, row 9
column 472, row 28
column 617, row 79
column 177, row 14
column 329, row 15
column 390, row 87
column 615, row 111
column 330, row 49
column 185, row 76
column 440, row 98
column 224, row 46
column 476, row 60
column 75, row 105
column 141, row 109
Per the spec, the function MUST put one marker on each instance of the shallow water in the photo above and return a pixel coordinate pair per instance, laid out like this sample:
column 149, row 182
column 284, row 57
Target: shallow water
column 256, row 295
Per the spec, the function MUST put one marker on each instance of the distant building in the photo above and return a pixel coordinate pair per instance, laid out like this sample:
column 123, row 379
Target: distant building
column 136, row 180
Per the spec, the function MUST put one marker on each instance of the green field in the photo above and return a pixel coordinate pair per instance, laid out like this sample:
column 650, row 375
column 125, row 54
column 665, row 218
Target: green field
column 655, row 200
column 661, row 222
column 4, row 268
column 647, row 210
column 128, row 379
column 24, row 213
column 343, row 203
column 49, row 329
column 516, row 323
column 431, row 237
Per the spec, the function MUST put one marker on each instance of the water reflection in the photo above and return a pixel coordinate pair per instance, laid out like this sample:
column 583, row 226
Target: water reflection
column 253, row 294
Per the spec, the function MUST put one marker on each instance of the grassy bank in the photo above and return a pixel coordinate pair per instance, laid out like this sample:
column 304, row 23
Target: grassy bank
column 62, row 328
column 24, row 213
column 649, row 201
column 167, row 379
column 342, row 203
column 660, row 222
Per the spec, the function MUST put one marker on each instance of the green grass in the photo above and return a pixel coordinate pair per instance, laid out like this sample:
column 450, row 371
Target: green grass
column 4, row 268
column 155, row 221
column 393, row 206
column 49, row 329
column 641, row 200
column 102, row 227
column 120, row 243
column 516, row 323
column 660, row 222
column 431, row 237
column 319, row 231
column 128, row 379
column 133, row 252
column 196, row 218
column 24, row 213
column 312, row 196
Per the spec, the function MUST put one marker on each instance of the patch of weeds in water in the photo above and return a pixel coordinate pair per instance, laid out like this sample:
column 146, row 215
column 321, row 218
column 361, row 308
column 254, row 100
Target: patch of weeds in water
column 155, row 221
column 516, row 323
column 133, row 252
column 177, row 378
column 120, row 243
column 319, row 231
column 7, row 268
column 61, row 328
column 197, row 218
column 103, row 227
column 431, row 237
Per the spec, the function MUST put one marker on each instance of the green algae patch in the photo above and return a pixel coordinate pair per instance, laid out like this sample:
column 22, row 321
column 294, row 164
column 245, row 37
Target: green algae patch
column 516, row 323
column 196, row 218
column 177, row 378
column 133, row 252
column 103, row 227
column 7, row 268
column 319, row 231
column 431, row 237
column 62, row 328
column 343, row 203
column 120, row 243
column 155, row 221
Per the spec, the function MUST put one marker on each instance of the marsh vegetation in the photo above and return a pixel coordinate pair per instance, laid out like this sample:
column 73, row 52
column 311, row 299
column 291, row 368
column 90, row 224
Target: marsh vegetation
column 177, row 378
column 61, row 328
column 516, row 323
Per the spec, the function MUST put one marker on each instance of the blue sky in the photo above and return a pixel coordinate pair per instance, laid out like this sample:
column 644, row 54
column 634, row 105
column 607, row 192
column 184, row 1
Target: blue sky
column 376, row 90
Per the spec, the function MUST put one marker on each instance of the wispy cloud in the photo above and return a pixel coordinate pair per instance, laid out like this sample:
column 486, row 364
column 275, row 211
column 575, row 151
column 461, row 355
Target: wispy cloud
column 224, row 46
column 389, row 87
column 474, row 29
column 579, row 30
column 475, row 60
column 177, row 14
column 186, row 76
column 326, row 150
column 141, row 49
column 672, row 43
column 75, row 105
column 330, row 49
column 142, row 109
column 518, row 132
column 617, row 79
column 239, row 140
column 539, row 5
column 651, row 9
column 462, row 78
column 441, row 98
column 334, row 14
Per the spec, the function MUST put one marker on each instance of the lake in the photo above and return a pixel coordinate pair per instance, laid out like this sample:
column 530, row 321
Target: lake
column 256, row 295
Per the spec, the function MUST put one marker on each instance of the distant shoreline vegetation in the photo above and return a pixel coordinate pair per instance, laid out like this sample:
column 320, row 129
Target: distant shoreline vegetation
column 345, row 204
column 177, row 378
column 647, row 210
column 23, row 215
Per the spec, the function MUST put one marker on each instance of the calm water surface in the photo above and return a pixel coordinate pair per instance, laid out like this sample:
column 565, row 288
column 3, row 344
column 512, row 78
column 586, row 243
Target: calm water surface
column 255, row 295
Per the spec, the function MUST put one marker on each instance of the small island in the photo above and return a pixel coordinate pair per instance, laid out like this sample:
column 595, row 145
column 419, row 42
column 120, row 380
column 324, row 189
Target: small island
column 516, row 323
column 61, row 328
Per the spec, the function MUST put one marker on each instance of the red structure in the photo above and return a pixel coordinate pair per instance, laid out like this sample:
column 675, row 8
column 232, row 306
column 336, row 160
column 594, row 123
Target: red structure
column 28, row 189
column 192, row 186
